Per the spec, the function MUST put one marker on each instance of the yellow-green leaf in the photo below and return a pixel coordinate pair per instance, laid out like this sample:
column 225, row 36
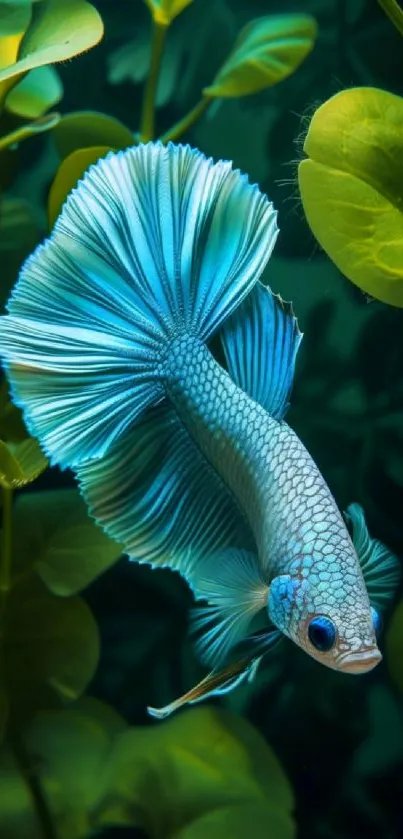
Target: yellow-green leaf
column 38, row 91
column 394, row 646
column 71, row 170
column 59, row 29
column 56, row 536
column 82, row 129
column 266, row 51
column 211, row 769
column 50, row 645
column 164, row 11
column 351, row 186
column 14, row 16
column 20, row 463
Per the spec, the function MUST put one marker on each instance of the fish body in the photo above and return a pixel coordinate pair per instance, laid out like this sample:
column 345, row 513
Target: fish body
column 185, row 460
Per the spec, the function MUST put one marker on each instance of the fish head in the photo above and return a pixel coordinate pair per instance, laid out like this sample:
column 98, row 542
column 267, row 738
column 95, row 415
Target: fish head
column 335, row 624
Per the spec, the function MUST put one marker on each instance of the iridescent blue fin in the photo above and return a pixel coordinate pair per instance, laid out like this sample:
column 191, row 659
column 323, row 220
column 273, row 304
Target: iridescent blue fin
column 156, row 494
column 380, row 567
column 154, row 240
column 260, row 342
column 233, row 585
column 220, row 682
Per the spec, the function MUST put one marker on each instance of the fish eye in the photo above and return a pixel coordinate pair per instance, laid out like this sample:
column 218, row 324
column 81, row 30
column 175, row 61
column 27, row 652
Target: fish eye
column 376, row 622
column 322, row 633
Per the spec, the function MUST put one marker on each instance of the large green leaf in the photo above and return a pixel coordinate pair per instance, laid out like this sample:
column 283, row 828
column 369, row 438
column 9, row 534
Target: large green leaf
column 351, row 186
column 83, row 129
column 20, row 463
column 71, row 170
column 164, row 11
column 59, row 29
column 213, row 772
column 38, row 91
column 56, row 536
column 49, row 645
column 267, row 50
column 14, row 16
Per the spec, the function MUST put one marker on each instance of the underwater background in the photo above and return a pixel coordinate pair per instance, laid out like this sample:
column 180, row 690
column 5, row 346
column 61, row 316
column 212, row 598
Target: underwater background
column 88, row 639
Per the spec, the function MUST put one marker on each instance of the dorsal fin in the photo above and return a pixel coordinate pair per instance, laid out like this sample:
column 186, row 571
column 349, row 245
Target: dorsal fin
column 260, row 342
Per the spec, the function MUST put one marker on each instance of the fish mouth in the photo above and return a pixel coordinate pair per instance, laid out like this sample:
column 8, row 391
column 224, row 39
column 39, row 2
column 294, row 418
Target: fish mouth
column 360, row 662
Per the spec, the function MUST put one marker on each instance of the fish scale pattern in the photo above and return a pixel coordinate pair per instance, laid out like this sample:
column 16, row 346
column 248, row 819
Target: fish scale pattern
column 294, row 518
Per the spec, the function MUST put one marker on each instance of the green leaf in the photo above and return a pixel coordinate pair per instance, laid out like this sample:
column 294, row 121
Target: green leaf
column 212, row 771
column 59, row 29
column 49, row 646
column 82, row 129
column 14, row 16
column 38, row 91
column 164, row 11
column 19, row 234
column 267, row 50
column 60, row 541
column 20, row 463
column 71, row 170
column 394, row 646
column 351, row 187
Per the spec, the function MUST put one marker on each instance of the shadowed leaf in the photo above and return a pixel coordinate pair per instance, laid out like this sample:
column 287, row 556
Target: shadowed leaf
column 82, row 129
column 71, row 170
column 49, row 645
column 60, row 540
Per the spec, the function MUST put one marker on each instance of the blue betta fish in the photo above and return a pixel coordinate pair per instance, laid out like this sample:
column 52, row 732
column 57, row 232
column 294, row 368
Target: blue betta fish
column 187, row 461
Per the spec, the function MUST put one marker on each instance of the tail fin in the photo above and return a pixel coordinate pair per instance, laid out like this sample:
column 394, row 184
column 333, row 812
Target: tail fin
column 152, row 241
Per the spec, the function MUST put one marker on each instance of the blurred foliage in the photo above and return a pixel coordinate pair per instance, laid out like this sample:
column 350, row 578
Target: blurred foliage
column 75, row 618
column 203, row 773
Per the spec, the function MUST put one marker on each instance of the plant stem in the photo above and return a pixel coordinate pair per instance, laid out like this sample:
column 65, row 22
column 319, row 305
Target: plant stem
column 24, row 762
column 6, row 544
column 187, row 121
column 148, row 111
column 394, row 13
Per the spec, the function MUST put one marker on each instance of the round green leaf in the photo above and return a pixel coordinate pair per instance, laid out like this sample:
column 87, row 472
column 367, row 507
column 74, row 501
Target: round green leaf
column 267, row 50
column 20, row 463
column 71, row 170
column 59, row 29
column 49, row 645
column 83, row 129
column 394, row 646
column 14, row 16
column 38, row 91
column 211, row 770
column 351, row 187
column 164, row 11
column 56, row 536
column 18, row 818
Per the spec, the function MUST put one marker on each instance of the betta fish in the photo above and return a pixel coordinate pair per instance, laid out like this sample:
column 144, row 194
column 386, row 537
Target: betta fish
column 183, row 454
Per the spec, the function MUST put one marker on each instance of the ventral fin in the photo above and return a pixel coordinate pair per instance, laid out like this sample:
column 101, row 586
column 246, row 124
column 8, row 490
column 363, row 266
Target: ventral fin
column 219, row 682
column 260, row 342
column 233, row 584
column 380, row 567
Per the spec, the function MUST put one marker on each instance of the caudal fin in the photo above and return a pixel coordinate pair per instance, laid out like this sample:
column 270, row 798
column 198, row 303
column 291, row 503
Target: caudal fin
column 153, row 240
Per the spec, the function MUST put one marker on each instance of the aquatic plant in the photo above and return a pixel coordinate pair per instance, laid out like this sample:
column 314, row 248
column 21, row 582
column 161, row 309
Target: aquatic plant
column 351, row 184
